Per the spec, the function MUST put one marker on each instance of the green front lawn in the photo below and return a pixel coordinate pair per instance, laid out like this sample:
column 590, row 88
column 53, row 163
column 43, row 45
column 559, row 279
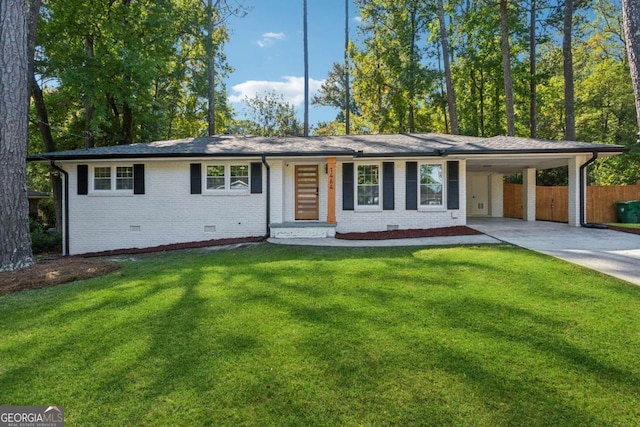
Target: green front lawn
column 273, row 335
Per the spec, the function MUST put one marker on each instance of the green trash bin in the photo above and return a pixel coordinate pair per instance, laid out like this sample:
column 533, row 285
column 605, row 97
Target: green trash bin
column 634, row 205
column 628, row 212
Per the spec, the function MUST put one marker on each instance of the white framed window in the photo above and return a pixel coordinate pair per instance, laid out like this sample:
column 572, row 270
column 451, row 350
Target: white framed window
column 112, row 179
column 367, row 185
column 215, row 177
column 239, row 177
column 124, row 177
column 102, row 178
column 431, row 187
column 227, row 177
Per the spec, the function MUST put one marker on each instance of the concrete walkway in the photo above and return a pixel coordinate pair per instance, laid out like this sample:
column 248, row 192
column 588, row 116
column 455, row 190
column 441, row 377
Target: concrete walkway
column 611, row 252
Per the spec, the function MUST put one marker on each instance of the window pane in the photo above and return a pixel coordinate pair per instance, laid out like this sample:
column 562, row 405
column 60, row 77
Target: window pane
column 431, row 185
column 124, row 178
column 215, row 177
column 368, row 174
column 102, row 178
column 368, row 195
column 368, row 185
column 239, row 177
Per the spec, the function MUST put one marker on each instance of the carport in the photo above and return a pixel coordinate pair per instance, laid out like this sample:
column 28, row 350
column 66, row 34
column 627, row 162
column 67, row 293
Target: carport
column 485, row 173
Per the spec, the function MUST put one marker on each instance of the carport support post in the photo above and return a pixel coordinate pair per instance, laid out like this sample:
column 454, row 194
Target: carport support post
column 497, row 195
column 574, row 190
column 529, row 196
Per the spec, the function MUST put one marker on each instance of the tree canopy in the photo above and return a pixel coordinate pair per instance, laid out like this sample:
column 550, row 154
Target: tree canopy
column 118, row 72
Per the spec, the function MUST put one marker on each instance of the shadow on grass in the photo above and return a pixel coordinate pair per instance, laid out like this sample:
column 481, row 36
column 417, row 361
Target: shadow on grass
column 313, row 336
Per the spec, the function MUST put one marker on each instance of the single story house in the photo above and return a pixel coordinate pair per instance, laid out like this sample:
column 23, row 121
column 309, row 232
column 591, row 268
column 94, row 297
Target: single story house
column 220, row 187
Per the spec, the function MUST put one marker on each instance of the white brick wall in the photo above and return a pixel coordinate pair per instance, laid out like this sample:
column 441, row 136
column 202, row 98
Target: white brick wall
column 167, row 213
column 362, row 221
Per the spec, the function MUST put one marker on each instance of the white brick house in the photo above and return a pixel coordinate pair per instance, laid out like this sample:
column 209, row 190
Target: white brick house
column 211, row 188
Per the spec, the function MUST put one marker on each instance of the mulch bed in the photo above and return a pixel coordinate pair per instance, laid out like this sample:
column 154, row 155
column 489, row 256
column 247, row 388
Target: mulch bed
column 54, row 272
column 459, row 230
column 175, row 247
column 51, row 272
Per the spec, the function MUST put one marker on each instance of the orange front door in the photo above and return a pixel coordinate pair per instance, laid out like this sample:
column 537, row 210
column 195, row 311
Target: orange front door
column 307, row 192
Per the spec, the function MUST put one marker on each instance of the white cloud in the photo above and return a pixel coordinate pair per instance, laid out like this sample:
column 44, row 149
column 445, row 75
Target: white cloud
column 268, row 39
column 291, row 88
column 358, row 19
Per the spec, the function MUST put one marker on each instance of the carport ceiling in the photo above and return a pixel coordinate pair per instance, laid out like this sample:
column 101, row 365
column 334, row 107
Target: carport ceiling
column 510, row 163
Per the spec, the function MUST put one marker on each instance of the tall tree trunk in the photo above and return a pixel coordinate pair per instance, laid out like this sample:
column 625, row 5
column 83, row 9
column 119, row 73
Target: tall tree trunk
column 533, row 94
column 474, row 100
column 127, row 111
column 631, row 23
column 506, row 65
column 347, row 89
column 483, row 126
column 451, row 96
column 442, row 94
column 41, row 108
column 89, row 109
column 15, row 241
column 127, row 124
column 306, row 70
column 211, row 70
column 34, row 16
column 43, row 115
column 49, row 144
column 412, row 71
column 567, row 55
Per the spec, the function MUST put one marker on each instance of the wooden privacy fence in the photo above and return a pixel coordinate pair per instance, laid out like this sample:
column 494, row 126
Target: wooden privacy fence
column 552, row 202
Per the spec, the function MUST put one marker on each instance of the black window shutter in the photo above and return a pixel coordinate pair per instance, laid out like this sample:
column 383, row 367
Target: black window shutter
column 256, row 178
column 453, row 185
column 388, row 195
column 347, row 186
column 196, row 178
column 83, row 179
column 412, row 186
column 138, row 179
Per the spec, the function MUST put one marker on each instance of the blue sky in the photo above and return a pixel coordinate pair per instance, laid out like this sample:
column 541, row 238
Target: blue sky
column 266, row 50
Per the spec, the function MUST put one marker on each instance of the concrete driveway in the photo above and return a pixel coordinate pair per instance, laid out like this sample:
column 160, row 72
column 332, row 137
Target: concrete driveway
column 611, row 252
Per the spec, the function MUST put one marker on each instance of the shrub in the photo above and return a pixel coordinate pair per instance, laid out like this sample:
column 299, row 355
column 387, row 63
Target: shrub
column 43, row 240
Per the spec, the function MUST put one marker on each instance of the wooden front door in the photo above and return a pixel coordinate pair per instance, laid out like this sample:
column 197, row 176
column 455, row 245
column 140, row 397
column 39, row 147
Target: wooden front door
column 307, row 192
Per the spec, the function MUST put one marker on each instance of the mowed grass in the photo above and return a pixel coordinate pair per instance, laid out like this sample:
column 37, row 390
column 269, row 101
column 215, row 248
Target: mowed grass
column 273, row 335
column 625, row 225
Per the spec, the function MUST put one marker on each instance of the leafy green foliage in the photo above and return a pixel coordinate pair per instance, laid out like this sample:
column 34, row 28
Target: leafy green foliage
column 43, row 240
column 270, row 115
column 127, row 71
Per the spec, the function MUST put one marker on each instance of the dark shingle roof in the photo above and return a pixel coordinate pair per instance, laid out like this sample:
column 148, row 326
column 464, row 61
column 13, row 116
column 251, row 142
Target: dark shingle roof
column 362, row 145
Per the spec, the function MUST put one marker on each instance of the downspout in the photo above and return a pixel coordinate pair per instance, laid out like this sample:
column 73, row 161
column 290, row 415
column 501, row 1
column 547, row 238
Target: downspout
column 65, row 225
column 583, row 193
column 268, row 219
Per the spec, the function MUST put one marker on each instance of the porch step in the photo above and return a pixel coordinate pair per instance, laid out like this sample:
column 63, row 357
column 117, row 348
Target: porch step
column 303, row 230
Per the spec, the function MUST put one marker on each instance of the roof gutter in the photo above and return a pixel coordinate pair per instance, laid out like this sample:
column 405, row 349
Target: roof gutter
column 268, row 216
column 583, row 193
column 65, row 221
